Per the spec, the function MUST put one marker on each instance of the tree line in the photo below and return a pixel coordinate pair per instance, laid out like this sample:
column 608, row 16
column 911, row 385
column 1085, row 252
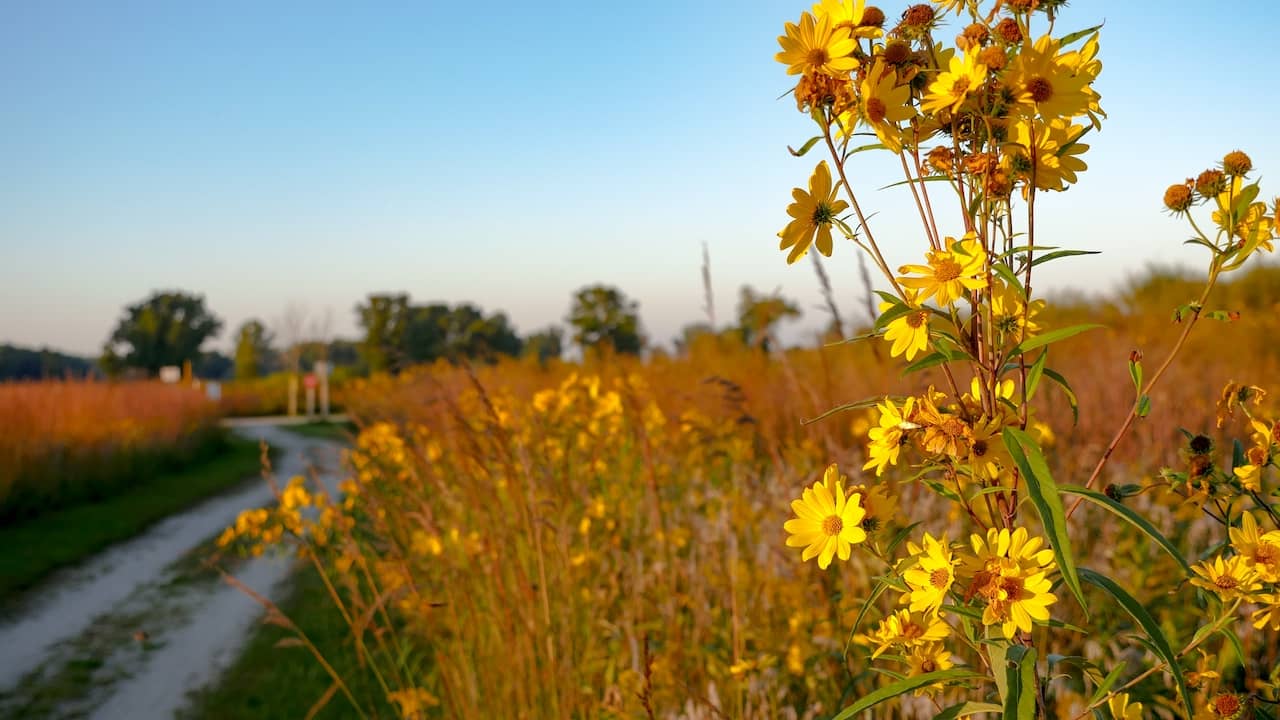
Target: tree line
column 170, row 328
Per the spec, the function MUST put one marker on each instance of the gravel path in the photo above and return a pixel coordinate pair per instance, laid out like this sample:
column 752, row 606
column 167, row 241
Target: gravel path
column 131, row 631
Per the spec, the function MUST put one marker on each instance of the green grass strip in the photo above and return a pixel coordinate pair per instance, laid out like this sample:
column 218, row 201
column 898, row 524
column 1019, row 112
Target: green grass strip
column 64, row 537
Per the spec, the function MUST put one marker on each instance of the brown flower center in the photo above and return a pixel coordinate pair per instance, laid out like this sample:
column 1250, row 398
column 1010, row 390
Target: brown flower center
column 928, row 666
column 1226, row 582
column 1040, row 88
column 939, row 578
column 875, row 110
column 832, row 525
column 818, row 57
column 980, row 448
column 1226, row 705
column 917, row 319
column 960, row 87
column 912, row 631
column 946, row 270
column 1266, row 553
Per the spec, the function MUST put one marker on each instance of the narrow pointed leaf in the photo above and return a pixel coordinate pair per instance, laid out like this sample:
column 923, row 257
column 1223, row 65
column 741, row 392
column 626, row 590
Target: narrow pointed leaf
column 904, row 686
column 1048, row 503
column 1128, row 515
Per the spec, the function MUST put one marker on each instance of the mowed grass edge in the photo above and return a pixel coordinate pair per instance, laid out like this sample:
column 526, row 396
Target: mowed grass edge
column 64, row 537
column 271, row 681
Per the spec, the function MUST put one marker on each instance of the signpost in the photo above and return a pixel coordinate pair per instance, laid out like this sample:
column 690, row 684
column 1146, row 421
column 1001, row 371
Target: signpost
column 310, row 383
column 321, row 371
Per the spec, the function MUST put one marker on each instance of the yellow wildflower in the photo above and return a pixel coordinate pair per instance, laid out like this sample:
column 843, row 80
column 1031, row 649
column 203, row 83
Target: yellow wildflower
column 885, row 103
column 949, row 273
column 932, row 575
column 890, row 435
column 1228, row 579
column 1261, row 551
column 907, row 629
column 1046, row 84
column 927, row 658
column 827, row 523
column 812, row 213
column 1010, row 575
column 814, row 46
column 847, row 15
column 1122, row 709
column 964, row 76
column 908, row 332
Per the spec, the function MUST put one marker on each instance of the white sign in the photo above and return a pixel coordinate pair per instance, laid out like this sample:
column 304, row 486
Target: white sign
column 170, row 374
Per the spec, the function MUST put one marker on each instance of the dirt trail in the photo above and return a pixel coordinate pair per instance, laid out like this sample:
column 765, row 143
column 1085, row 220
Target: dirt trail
column 131, row 631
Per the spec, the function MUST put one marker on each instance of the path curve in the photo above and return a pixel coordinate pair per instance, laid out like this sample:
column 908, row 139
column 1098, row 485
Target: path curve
column 192, row 630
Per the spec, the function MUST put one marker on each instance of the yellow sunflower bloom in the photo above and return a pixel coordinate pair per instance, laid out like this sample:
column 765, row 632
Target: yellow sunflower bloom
column 932, row 575
column 1050, row 151
column 1122, row 709
column 909, row 332
column 945, row 432
column 924, row 659
column 814, row 46
column 963, row 77
column 1268, row 614
column 888, row 437
column 1261, row 551
column 1046, row 84
column 827, row 523
column 949, row 274
column 812, row 215
column 847, row 14
column 907, row 630
column 1011, row 314
column 1010, row 575
column 880, row 504
column 884, row 103
column 1228, row 579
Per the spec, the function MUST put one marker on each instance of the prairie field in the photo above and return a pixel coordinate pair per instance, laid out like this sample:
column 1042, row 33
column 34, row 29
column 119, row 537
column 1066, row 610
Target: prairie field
column 68, row 442
column 605, row 538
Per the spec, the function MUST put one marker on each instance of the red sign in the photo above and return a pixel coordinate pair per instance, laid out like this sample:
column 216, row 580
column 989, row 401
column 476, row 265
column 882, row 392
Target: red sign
column 310, row 380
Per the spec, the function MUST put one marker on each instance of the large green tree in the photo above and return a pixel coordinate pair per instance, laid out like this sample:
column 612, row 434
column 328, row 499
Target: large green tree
column 253, row 349
column 167, row 328
column 384, row 319
column 602, row 317
column 546, row 344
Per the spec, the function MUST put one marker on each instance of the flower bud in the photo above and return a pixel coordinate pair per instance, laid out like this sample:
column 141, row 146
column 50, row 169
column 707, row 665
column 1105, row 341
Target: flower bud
column 1008, row 30
column 1178, row 197
column 918, row 15
column 1237, row 163
column 872, row 16
column 1211, row 182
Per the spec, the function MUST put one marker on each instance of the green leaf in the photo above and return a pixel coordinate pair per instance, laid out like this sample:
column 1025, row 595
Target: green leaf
column 1044, row 495
column 1135, row 372
column 1006, row 272
column 1062, row 254
column 1127, row 514
column 1035, row 373
column 1024, row 249
column 864, row 148
column 859, row 405
column 1078, row 35
column 1050, row 337
column 966, row 709
column 931, row 178
column 806, row 147
column 1144, row 406
column 892, row 314
column 1020, row 703
column 1107, row 683
column 903, row 686
column 937, row 357
column 1149, row 625
column 854, row 339
column 1057, row 377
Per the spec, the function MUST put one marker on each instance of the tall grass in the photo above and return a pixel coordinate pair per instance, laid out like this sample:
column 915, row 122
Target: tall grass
column 605, row 540
column 68, row 442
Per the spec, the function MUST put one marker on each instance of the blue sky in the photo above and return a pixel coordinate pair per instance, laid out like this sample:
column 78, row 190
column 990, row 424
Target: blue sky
column 267, row 154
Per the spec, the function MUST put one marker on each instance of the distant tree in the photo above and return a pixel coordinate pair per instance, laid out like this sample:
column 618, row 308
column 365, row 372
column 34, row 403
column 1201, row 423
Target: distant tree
column 253, row 349
column 473, row 336
column 384, row 319
column 602, row 316
column 344, row 353
column 213, row 366
column 167, row 328
column 545, row 344
column 690, row 335
column 759, row 315
column 426, row 334
column 23, row 364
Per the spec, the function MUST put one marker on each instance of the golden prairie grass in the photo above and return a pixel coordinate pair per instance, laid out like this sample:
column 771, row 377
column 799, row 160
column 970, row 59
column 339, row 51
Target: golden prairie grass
column 63, row 442
column 605, row 540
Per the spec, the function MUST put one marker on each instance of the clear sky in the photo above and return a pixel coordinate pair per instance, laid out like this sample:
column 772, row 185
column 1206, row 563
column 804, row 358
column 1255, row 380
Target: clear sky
column 264, row 154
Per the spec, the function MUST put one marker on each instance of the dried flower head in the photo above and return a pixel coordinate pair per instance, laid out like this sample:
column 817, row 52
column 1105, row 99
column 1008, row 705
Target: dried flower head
column 1237, row 163
column 1178, row 197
